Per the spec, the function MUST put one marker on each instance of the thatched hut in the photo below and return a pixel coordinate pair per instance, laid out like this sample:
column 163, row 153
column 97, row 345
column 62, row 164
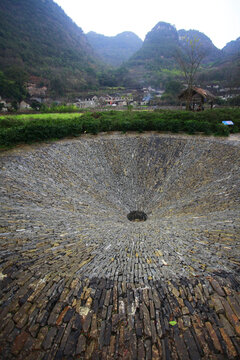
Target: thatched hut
column 196, row 97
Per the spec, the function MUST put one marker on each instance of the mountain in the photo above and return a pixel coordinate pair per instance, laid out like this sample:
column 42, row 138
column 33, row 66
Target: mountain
column 155, row 59
column 204, row 44
column 156, row 62
column 232, row 48
column 39, row 38
column 114, row 50
column 226, row 71
column 158, row 46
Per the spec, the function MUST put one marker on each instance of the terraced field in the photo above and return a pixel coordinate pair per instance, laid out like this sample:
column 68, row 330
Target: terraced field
column 81, row 281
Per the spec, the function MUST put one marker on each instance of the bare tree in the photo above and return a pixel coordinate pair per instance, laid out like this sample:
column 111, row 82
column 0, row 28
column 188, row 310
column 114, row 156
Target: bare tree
column 189, row 58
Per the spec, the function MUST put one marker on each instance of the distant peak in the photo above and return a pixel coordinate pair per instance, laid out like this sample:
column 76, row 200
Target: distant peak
column 162, row 29
column 127, row 33
column 163, row 26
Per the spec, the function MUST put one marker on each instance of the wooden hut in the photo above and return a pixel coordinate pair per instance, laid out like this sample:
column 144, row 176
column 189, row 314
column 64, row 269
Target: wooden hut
column 196, row 98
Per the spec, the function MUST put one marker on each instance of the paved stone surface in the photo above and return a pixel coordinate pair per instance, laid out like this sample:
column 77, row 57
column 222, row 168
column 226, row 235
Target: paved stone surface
column 80, row 281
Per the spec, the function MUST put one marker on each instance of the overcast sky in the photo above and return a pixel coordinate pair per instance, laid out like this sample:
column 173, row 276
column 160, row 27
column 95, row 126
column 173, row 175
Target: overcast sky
column 218, row 19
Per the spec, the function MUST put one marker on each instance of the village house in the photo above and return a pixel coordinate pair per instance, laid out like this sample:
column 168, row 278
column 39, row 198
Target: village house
column 24, row 106
column 3, row 105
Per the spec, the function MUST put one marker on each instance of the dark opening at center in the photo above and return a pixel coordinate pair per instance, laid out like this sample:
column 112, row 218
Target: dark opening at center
column 137, row 216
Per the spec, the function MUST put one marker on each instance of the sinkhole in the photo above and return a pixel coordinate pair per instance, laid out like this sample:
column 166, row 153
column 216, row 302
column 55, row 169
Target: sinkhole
column 137, row 216
column 87, row 195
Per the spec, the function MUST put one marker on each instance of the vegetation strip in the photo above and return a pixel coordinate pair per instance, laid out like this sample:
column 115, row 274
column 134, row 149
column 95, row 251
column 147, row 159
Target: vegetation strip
column 40, row 127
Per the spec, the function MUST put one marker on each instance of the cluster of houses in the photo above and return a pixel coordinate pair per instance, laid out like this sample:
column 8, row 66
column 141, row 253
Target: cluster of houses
column 95, row 101
column 38, row 88
column 224, row 93
column 6, row 105
column 38, row 94
column 138, row 97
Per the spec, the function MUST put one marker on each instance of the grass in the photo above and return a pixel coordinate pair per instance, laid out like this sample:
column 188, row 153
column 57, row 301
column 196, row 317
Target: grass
column 29, row 117
column 16, row 129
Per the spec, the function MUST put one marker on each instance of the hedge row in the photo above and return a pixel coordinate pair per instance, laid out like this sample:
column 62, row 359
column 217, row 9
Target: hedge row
column 14, row 131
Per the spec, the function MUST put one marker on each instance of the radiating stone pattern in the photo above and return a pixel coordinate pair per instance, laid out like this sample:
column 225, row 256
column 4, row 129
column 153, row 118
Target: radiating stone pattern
column 80, row 281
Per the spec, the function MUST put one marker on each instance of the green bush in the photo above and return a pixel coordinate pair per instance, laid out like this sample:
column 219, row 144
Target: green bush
column 59, row 109
column 92, row 127
column 8, row 122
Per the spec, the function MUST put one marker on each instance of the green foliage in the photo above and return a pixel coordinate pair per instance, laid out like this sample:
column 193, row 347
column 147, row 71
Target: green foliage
column 130, row 107
column 35, row 105
column 16, row 74
column 58, row 86
column 12, row 87
column 115, row 77
column 41, row 127
column 235, row 101
column 59, row 109
column 168, row 99
column 173, row 87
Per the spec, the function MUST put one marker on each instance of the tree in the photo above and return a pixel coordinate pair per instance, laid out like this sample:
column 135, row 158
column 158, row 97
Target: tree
column 189, row 59
column 173, row 87
column 58, row 85
column 11, row 87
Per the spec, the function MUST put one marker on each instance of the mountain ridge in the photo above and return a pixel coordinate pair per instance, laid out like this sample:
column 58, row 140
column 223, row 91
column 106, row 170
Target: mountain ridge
column 114, row 50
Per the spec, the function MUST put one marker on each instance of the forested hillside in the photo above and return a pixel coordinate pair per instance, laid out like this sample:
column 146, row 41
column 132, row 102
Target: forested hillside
column 39, row 38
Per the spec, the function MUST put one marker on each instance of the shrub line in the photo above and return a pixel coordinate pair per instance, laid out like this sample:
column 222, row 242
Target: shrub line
column 15, row 129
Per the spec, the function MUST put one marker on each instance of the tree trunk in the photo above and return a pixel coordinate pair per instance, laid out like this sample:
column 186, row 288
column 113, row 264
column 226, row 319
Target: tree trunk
column 188, row 100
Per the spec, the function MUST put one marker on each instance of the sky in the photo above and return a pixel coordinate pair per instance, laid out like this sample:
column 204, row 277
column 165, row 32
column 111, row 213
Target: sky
column 218, row 19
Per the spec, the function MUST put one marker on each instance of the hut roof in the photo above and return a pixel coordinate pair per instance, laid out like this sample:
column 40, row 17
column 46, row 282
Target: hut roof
column 197, row 91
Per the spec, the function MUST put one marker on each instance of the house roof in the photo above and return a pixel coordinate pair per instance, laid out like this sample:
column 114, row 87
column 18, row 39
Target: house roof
column 197, row 91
